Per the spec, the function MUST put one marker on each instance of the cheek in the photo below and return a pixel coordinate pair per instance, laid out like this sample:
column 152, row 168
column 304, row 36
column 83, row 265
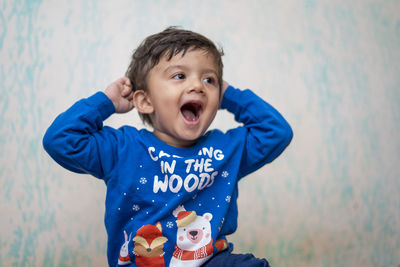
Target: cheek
column 181, row 238
column 207, row 235
column 213, row 109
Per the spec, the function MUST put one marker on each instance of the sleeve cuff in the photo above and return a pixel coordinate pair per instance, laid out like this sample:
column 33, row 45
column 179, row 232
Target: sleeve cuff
column 228, row 95
column 103, row 104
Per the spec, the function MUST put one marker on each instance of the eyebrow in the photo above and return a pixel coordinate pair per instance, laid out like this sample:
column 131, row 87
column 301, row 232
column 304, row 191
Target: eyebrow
column 173, row 67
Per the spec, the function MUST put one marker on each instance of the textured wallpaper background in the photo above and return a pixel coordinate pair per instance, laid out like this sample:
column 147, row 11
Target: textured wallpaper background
column 331, row 67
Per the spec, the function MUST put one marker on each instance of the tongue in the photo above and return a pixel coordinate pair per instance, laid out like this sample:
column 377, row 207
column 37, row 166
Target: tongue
column 189, row 115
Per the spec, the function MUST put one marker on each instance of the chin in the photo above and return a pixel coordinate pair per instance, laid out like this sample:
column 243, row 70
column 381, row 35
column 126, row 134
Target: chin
column 192, row 137
column 188, row 140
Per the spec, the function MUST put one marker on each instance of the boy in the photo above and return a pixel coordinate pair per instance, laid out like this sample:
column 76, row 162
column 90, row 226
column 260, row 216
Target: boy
column 173, row 191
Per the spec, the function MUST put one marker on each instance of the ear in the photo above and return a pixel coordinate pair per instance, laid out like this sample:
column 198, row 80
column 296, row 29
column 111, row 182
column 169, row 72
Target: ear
column 207, row 216
column 142, row 102
column 158, row 225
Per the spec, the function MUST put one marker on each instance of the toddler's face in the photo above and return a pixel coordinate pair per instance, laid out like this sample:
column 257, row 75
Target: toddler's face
column 184, row 93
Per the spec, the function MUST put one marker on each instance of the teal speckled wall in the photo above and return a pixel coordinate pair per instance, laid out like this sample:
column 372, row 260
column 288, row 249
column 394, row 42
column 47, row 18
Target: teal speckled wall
column 332, row 67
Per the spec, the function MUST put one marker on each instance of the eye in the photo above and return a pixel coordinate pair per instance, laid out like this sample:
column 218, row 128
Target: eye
column 209, row 80
column 179, row 76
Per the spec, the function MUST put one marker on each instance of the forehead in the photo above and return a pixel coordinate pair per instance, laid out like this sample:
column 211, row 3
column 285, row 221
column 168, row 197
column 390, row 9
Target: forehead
column 198, row 58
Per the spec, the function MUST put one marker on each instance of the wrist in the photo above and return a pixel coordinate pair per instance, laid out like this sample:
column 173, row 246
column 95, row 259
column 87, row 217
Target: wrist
column 228, row 96
column 103, row 104
column 111, row 97
column 224, row 86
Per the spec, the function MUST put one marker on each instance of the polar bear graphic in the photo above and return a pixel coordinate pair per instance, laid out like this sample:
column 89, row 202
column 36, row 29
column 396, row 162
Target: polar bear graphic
column 194, row 242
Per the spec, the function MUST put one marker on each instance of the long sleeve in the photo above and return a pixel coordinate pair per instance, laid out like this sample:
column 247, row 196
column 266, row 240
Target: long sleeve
column 267, row 132
column 77, row 139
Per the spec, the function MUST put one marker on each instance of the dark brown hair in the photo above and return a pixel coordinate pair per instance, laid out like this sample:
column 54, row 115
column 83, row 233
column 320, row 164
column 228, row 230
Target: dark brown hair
column 169, row 42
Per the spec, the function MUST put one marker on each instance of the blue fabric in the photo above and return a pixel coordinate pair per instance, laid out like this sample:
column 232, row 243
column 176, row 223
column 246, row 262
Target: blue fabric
column 147, row 180
column 227, row 258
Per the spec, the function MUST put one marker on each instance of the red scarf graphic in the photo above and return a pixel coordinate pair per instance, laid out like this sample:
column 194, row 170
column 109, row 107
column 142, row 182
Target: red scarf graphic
column 200, row 253
column 125, row 259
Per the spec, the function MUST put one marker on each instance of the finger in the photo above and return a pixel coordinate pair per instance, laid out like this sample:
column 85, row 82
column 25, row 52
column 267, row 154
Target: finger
column 120, row 81
column 128, row 87
column 127, row 81
column 124, row 81
column 130, row 98
column 125, row 91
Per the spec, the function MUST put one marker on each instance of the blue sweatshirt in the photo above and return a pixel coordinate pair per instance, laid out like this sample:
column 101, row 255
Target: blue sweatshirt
column 167, row 205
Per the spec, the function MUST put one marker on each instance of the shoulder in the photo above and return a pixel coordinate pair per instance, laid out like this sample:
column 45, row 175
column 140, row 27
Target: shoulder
column 231, row 133
column 123, row 135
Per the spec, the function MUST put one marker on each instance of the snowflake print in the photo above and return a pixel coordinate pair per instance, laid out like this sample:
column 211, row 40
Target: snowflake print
column 228, row 199
column 143, row 180
column 136, row 207
column 225, row 174
column 194, row 197
column 170, row 224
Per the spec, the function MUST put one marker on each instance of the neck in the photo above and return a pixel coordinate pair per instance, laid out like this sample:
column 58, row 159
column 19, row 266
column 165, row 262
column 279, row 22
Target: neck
column 173, row 141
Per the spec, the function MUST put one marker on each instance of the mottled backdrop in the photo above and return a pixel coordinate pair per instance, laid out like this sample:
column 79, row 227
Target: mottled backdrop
column 332, row 67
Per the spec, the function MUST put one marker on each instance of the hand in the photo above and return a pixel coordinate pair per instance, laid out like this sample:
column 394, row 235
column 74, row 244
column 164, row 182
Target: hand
column 225, row 85
column 120, row 93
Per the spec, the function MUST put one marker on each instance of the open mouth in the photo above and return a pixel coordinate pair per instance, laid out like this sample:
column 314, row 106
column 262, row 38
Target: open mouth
column 191, row 111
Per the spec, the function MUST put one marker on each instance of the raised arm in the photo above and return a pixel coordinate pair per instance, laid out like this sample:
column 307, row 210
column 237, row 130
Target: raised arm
column 77, row 139
column 267, row 132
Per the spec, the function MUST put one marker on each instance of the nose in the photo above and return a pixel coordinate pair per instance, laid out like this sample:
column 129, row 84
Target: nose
column 196, row 86
column 193, row 233
column 148, row 249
